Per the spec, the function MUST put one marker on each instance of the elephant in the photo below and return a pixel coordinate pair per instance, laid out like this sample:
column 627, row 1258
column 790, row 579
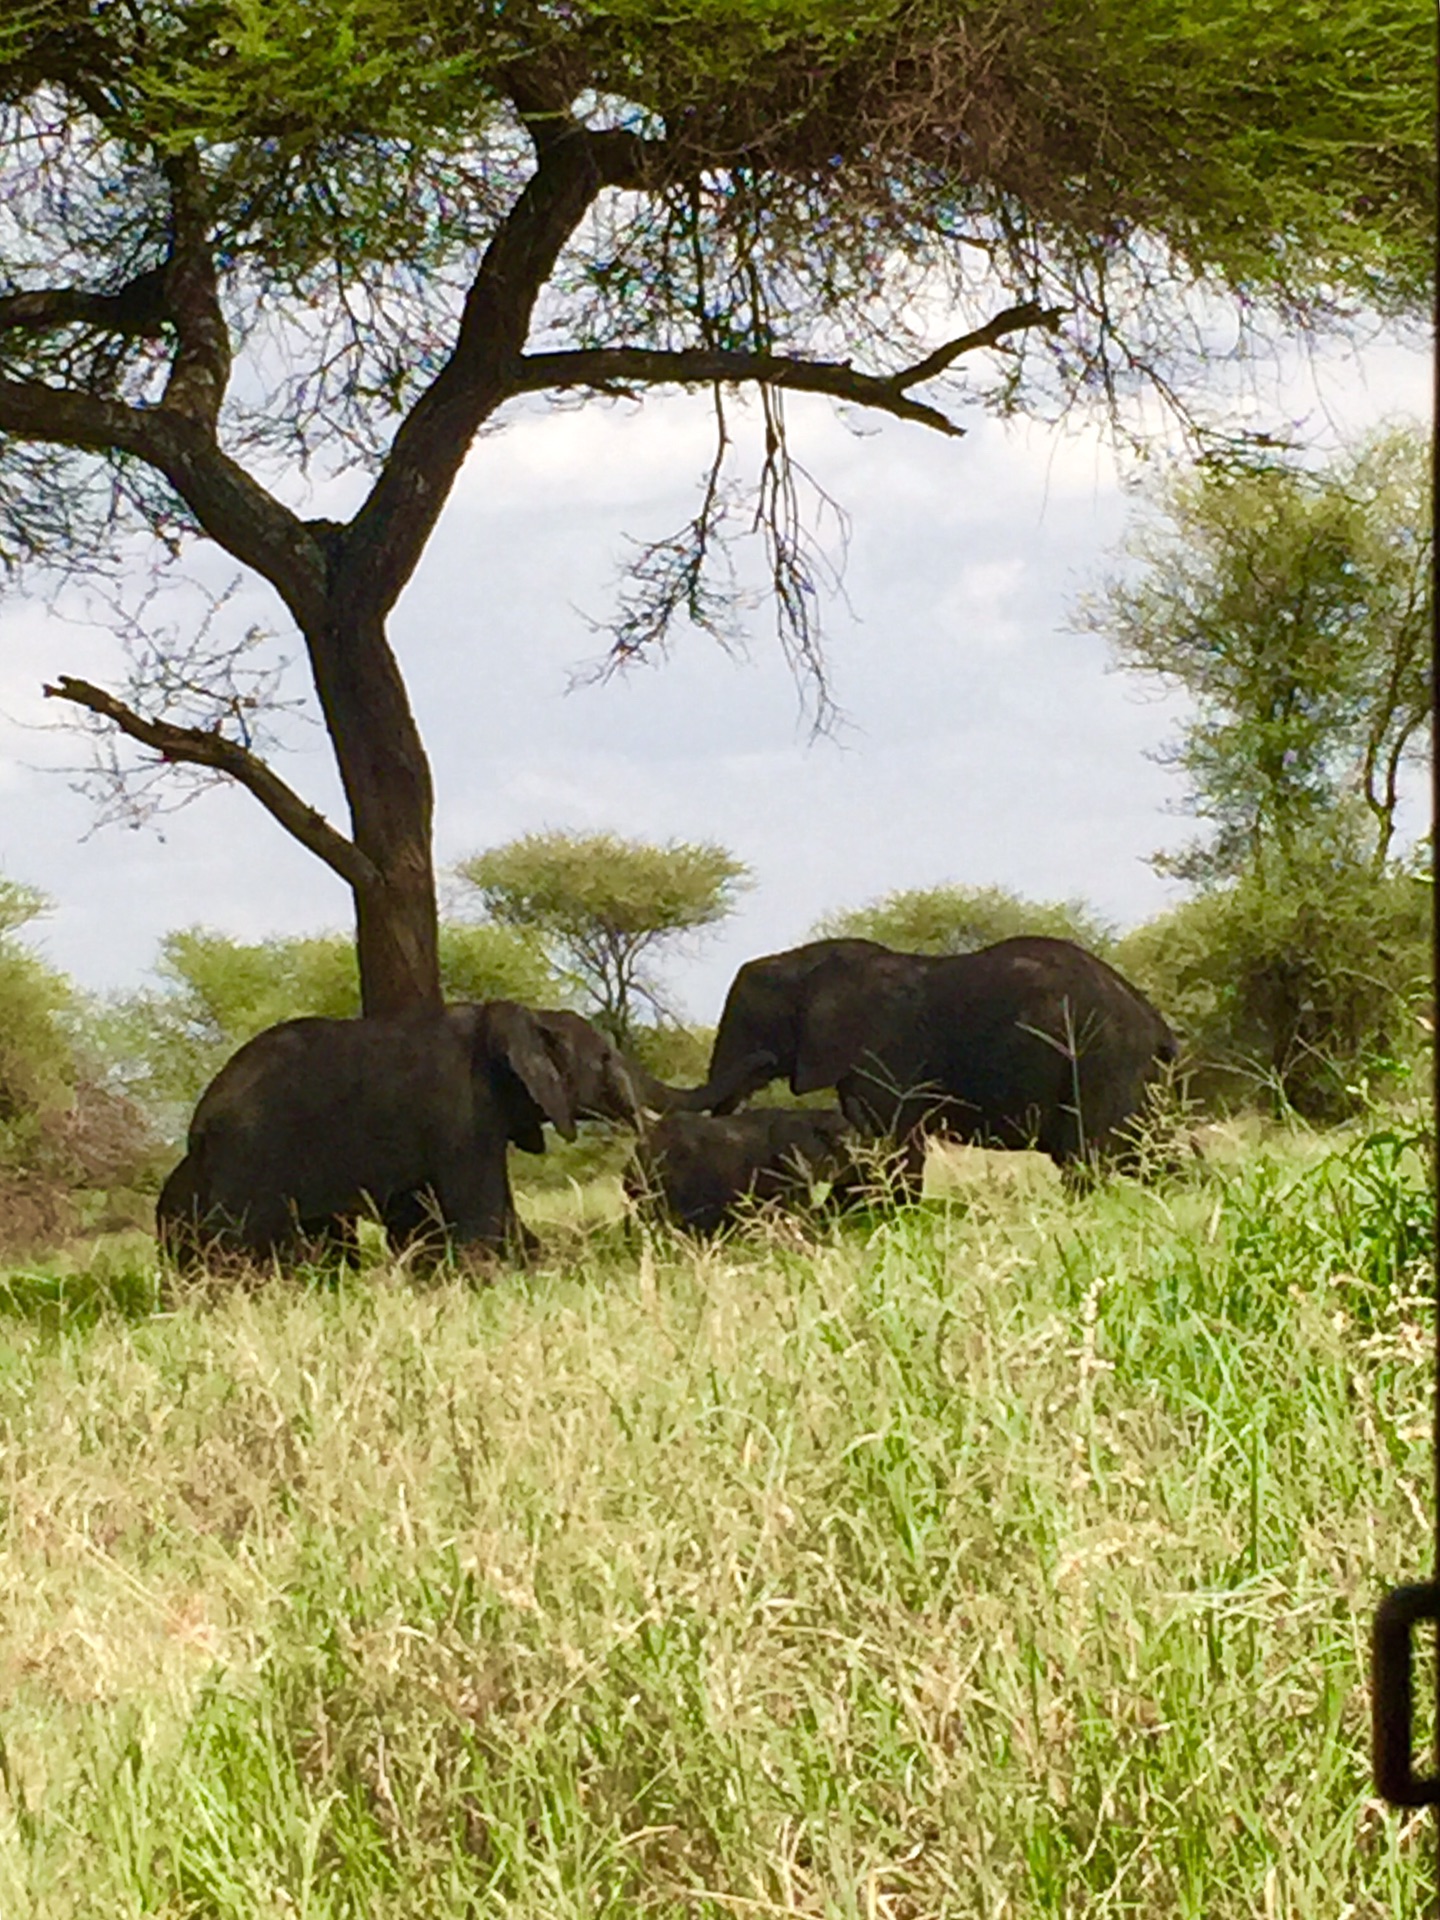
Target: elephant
column 1032, row 1042
column 314, row 1121
column 697, row 1167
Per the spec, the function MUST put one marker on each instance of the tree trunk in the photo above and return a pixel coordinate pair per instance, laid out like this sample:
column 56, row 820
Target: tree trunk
column 386, row 777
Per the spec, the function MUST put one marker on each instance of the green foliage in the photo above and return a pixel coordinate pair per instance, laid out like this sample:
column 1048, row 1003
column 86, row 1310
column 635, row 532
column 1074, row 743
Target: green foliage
column 217, row 992
column 19, row 905
column 1274, row 150
column 359, row 154
column 678, row 1054
column 37, row 1065
column 73, row 1149
column 497, row 963
column 964, row 919
column 37, row 1055
column 603, row 906
column 1293, row 606
column 1306, row 990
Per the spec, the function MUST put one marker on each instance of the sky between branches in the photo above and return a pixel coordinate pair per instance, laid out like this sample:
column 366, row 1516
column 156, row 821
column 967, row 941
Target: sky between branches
column 982, row 743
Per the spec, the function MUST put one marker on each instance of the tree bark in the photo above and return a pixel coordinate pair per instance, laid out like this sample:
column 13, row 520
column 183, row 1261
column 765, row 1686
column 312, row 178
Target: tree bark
column 386, row 777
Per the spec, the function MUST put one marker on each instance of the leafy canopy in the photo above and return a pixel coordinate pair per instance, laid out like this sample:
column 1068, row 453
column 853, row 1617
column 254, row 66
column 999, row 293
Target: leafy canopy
column 1293, row 606
column 797, row 164
column 604, row 906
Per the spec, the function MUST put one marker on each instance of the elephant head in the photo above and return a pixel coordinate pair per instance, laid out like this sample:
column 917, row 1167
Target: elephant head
column 804, row 1014
column 556, row 1066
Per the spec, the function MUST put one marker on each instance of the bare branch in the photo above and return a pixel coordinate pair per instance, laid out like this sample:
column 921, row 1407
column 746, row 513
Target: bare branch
column 137, row 308
column 1028, row 314
column 234, row 509
column 34, row 410
column 207, row 747
column 620, row 370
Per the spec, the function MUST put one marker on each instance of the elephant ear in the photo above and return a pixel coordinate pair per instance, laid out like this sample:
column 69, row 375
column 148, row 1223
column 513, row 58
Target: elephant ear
column 513, row 1038
column 835, row 1024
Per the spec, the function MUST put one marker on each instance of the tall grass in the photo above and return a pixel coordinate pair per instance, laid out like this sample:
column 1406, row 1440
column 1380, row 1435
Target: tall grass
column 1012, row 1554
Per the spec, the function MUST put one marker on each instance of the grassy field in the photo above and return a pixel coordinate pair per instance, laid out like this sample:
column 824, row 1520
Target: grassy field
column 1012, row 1555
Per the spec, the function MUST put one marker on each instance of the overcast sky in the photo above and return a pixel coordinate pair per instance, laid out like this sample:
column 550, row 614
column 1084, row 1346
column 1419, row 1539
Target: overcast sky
column 982, row 742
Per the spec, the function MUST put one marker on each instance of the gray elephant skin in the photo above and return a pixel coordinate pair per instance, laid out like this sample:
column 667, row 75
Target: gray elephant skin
column 1032, row 1042
column 315, row 1122
column 696, row 1167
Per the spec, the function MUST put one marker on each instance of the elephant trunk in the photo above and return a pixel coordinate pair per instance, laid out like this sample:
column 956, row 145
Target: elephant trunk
column 729, row 1085
column 721, row 1092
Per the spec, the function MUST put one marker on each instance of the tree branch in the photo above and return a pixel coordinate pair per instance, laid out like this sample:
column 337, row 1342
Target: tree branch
column 1029, row 313
column 388, row 534
column 233, row 509
column 201, row 367
column 137, row 308
column 202, row 747
column 33, row 410
column 621, row 369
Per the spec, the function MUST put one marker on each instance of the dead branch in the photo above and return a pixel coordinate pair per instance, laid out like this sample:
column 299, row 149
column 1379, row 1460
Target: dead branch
column 208, row 747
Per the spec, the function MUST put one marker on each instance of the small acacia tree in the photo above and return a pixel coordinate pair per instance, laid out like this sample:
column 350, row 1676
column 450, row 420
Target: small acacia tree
column 1293, row 605
column 605, row 907
column 964, row 919
column 241, row 237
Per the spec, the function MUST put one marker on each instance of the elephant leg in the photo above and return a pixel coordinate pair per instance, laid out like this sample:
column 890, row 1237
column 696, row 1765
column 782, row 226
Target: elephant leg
column 473, row 1191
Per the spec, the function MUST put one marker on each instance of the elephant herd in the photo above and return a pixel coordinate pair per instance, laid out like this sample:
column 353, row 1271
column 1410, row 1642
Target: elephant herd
column 1032, row 1042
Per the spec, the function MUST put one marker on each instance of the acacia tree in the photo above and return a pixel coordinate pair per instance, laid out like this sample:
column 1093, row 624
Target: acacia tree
column 952, row 919
column 1293, row 605
column 604, row 906
column 239, row 236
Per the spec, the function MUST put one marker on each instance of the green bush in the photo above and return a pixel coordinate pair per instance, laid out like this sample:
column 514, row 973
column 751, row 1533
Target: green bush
column 36, row 1057
column 68, row 1139
column 1306, row 990
column 677, row 1054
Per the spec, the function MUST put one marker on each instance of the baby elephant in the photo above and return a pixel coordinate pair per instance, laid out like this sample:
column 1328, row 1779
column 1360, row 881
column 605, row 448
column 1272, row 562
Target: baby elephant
column 697, row 1168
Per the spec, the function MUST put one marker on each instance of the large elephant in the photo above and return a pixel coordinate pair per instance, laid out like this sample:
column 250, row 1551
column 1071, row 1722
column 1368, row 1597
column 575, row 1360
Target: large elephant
column 1029, row 1043
column 697, row 1167
column 315, row 1121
